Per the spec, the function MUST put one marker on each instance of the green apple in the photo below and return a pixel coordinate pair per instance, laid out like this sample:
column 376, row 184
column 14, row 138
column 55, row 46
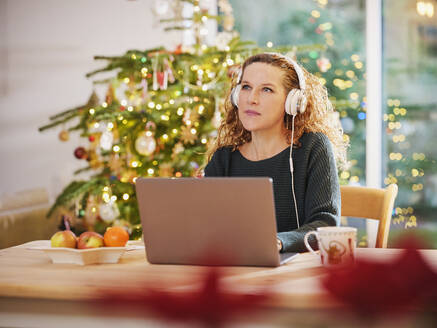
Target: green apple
column 64, row 238
column 90, row 239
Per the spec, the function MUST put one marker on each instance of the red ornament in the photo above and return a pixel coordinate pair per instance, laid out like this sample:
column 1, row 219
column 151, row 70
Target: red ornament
column 91, row 138
column 210, row 304
column 160, row 77
column 373, row 289
column 80, row 153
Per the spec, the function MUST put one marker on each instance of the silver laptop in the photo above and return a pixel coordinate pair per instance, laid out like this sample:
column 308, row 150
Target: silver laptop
column 212, row 221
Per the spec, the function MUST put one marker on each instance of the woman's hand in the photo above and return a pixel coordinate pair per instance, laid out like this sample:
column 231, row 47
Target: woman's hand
column 279, row 243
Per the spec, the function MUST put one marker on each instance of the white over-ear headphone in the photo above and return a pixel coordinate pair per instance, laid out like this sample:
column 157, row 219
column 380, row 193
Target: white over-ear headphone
column 296, row 102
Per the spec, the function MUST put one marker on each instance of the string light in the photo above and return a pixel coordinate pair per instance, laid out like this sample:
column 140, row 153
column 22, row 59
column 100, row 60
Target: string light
column 105, row 197
column 425, row 8
column 315, row 13
column 125, row 196
column 134, row 164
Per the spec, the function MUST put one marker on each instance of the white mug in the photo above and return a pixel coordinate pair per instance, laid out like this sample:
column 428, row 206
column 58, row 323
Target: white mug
column 336, row 244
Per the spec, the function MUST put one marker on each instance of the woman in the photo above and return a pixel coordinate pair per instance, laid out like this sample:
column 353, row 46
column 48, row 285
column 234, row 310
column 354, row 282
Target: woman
column 272, row 102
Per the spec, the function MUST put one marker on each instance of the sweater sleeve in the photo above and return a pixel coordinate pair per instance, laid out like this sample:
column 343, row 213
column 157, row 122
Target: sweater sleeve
column 322, row 197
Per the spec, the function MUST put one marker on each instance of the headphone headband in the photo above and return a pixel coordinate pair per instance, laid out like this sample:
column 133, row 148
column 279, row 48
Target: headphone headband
column 296, row 66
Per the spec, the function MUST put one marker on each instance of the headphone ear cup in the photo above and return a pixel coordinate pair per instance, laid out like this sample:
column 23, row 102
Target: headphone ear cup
column 235, row 94
column 296, row 102
column 290, row 103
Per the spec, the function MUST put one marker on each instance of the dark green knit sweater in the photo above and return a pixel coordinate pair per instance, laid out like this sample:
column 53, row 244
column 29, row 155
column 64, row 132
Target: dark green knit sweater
column 315, row 181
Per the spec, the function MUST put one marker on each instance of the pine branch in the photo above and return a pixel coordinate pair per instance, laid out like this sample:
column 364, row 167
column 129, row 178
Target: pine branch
column 53, row 124
column 84, row 169
column 74, row 190
column 54, row 117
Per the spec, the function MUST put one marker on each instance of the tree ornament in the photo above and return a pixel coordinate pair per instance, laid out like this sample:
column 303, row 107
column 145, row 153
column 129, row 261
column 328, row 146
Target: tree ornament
column 80, row 153
column 178, row 50
column 165, row 170
column 128, row 176
column 110, row 95
column 187, row 117
column 162, row 80
column 145, row 88
column 323, row 64
column 93, row 100
column 177, row 149
column 106, row 140
column 95, row 164
column 187, row 135
column 115, row 163
column 150, row 125
column 91, row 212
column 109, row 211
column 145, row 144
column 91, row 138
column 222, row 40
column 170, row 75
column 64, row 135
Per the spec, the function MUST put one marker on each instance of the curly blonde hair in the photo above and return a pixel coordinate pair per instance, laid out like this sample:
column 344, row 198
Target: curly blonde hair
column 319, row 116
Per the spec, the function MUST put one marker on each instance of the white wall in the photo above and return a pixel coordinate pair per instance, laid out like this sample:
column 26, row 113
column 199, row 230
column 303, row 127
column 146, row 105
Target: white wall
column 46, row 48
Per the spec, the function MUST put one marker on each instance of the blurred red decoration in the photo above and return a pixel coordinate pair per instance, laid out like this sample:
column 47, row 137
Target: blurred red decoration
column 372, row 289
column 209, row 304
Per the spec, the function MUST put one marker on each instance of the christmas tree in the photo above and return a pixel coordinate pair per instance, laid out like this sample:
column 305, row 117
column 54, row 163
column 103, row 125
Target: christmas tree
column 158, row 118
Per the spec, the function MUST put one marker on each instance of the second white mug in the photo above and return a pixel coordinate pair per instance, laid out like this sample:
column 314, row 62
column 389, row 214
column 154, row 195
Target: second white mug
column 336, row 244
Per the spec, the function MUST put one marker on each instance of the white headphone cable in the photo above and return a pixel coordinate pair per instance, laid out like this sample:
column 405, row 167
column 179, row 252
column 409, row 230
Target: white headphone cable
column 292, row 173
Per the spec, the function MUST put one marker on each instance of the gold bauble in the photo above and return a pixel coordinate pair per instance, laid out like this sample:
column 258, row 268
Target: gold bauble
column 64, row 135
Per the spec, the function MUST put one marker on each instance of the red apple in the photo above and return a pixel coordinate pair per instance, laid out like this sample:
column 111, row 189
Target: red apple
column 64, row 238
column 90, row 239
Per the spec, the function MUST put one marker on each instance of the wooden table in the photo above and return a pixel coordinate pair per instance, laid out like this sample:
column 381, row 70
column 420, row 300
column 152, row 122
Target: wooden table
column 36, row 293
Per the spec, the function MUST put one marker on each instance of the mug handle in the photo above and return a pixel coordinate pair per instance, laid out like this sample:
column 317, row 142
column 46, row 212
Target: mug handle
column 307, row 244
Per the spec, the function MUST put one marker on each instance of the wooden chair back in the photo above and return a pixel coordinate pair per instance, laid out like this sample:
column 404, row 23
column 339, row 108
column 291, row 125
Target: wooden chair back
column 370, row 203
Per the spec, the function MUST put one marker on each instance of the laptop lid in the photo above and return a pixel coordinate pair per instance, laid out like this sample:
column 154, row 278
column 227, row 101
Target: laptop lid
column 231, row 219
